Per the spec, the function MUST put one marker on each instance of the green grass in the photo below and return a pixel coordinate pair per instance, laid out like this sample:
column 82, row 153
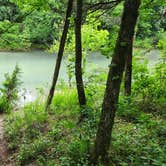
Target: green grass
column 55, row 139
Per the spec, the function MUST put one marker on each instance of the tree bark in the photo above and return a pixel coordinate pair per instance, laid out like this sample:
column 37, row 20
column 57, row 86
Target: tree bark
column 60, row 53
column 128, row 72
column 78, row 50
column 109, row 107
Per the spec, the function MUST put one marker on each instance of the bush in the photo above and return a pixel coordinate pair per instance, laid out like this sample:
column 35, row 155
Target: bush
column 65, row 99
column 162, row 45
column 9, row 91
column 146, row 43
column 149, row 87
column 78, row 153
column 13, row 38
column 25, row 125
column 127, row 110
column 137, row 144
column 29, row 151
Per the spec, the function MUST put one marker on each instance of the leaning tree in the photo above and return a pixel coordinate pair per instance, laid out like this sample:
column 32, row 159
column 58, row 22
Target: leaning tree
column 60, row 53
column 109, row 107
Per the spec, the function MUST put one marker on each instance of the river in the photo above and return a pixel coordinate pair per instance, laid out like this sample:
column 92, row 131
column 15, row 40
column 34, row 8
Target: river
column 37, row 66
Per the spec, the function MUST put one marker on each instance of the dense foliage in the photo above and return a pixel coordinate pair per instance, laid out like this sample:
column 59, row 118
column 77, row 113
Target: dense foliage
column 9, row 93
column 139, row 133
column 65, row 134
column 30, row 24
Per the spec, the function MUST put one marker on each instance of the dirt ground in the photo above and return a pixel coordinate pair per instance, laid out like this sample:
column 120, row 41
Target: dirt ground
column 4, row 156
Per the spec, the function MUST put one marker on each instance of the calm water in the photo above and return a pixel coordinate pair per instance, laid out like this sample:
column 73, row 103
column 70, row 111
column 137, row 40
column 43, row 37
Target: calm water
column 38, row 66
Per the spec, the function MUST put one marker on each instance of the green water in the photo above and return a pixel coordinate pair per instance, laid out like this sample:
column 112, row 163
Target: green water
column 38, row 66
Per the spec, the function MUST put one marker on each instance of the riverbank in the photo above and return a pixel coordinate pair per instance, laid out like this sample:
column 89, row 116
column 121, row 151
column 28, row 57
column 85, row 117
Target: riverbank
column 33, row 47
column 37, row 68
column 5, row 156
column 44, row 48
column 3, row 144
column 36, row 137
column 23, row 49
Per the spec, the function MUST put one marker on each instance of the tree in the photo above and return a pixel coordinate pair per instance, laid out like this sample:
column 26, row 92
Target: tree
column 60, row 53
column 152, row 21
column 128, row 72
column 109, row 107
column 78, row 50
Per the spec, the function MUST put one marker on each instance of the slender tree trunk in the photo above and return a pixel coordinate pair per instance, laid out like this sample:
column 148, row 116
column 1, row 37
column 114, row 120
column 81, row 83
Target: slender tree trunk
column 128, row 72
column 109, row 107
column 60, row 53
column 128, row 67
column 78, row 50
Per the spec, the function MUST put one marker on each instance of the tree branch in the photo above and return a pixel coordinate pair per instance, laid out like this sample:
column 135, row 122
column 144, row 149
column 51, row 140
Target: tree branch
column 103, row 5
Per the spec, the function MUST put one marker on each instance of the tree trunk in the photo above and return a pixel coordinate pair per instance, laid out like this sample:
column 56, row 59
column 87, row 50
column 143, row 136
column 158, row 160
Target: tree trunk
column 128, row 68
column 128, row 72
column 60, row 53
column 78, row 50
column 109, row 107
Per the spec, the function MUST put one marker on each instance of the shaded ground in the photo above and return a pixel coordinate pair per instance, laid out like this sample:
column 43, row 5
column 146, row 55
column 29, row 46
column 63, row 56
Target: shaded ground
column 4, row 156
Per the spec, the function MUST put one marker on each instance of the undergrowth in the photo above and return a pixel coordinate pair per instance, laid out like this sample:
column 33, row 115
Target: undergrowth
column 55, row 138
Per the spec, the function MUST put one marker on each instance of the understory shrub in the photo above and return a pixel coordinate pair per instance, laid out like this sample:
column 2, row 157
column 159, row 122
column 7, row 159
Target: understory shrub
column 10, row 90
column 149, row 87
column 137, row 144
column 56, row 139
column 14, row 37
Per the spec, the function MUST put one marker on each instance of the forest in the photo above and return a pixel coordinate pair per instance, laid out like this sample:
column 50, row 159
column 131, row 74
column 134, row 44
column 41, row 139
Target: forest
column 82, row 83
